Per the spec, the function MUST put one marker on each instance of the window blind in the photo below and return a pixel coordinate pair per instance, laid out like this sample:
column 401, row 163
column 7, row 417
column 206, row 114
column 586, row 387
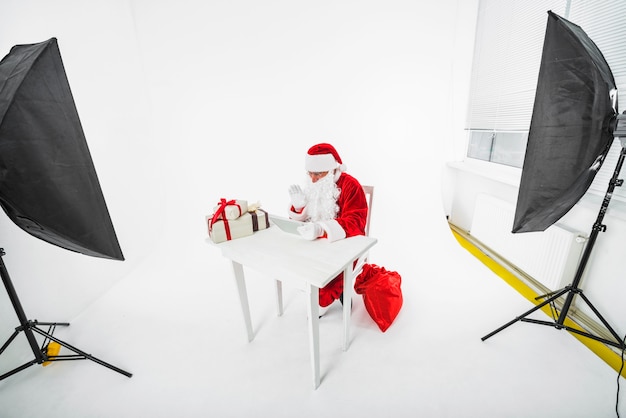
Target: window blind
column 507, row 56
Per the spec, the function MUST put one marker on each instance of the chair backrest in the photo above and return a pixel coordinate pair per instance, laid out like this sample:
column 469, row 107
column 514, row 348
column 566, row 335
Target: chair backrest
column 369, row 196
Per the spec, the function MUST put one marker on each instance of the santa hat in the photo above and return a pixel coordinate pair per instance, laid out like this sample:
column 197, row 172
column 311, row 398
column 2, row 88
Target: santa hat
column 323, row 157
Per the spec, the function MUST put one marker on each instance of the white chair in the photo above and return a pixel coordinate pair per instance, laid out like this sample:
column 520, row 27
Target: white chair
column 358, row 266
column 369, row 196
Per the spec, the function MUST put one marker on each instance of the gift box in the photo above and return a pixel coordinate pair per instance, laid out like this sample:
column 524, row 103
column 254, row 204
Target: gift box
column 221, row 230
column 260, row 220
column 230, row 209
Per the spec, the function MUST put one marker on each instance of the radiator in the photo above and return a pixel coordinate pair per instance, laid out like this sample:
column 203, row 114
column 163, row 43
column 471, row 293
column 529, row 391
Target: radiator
column 551, row 257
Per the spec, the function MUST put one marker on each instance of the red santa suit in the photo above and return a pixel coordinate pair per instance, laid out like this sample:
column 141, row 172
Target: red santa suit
column 351, row 209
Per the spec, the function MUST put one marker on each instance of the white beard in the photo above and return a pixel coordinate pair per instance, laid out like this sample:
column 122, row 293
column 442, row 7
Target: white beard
column 321, row 198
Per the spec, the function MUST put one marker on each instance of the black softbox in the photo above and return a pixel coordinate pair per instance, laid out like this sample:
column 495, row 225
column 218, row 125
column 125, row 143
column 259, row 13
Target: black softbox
column 48, row 183
column 570, row 132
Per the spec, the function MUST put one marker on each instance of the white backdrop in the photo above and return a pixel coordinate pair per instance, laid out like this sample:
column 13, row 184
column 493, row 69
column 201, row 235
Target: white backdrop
column 186, row 102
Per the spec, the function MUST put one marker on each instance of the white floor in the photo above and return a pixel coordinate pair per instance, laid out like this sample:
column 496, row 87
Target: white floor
column 176, row 325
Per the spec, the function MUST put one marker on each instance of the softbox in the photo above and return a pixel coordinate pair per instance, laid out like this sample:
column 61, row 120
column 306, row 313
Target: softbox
column 570, row 130
column 48, row 183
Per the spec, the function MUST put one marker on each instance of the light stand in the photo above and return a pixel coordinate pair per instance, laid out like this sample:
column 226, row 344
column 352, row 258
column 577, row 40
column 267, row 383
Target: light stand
column 30, row 327
column 573, row 289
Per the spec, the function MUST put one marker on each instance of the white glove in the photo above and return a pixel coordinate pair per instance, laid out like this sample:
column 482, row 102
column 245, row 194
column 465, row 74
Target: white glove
column 311, row 230
column 298, row 200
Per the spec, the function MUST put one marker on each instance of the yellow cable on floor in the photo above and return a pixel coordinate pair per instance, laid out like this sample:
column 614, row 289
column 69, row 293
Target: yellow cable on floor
column 600, row 349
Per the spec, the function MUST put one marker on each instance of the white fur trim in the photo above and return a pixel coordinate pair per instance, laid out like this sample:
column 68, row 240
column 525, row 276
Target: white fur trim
column 334, row 231
column 320, row 163
column 298, row 216
column 340, row 169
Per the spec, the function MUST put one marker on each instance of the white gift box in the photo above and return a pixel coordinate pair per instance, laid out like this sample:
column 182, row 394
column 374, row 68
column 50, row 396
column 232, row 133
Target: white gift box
column 221, row 230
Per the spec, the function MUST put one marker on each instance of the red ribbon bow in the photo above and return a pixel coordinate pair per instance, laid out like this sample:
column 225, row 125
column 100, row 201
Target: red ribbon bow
column 220, row 211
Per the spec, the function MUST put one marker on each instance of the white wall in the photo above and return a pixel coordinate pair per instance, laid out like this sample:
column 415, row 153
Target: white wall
column 185, row 102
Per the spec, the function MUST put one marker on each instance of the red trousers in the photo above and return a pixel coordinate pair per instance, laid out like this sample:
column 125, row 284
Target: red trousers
column 331, row 291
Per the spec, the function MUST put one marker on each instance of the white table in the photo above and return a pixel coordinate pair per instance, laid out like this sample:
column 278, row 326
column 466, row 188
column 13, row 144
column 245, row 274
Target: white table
column 286, row 257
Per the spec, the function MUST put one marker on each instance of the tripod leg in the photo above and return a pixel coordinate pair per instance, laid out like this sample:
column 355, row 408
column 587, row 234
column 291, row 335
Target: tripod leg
column 555, row 296
column 18, row 369
column 601, row 318
column 82, row 353
column 9, row 341
column 64, row 324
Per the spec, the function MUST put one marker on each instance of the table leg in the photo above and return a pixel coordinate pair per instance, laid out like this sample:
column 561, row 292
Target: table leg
column 314, row 332
column 243, row 298
column 347, row 307
column 279, row 297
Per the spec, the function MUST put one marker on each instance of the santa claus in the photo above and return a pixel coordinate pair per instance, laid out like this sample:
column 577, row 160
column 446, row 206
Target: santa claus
column 332, row 203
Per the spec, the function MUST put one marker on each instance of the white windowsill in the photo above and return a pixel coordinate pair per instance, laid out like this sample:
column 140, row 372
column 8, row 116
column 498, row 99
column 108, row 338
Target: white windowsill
column 497, row 172
column 511, row 176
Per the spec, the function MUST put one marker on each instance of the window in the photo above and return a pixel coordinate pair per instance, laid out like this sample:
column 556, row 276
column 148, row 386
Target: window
column 498, row 147
column 507, row 56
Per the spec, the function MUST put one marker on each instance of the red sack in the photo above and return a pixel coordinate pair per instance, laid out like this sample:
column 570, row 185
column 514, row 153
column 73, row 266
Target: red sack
column 381, row 294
